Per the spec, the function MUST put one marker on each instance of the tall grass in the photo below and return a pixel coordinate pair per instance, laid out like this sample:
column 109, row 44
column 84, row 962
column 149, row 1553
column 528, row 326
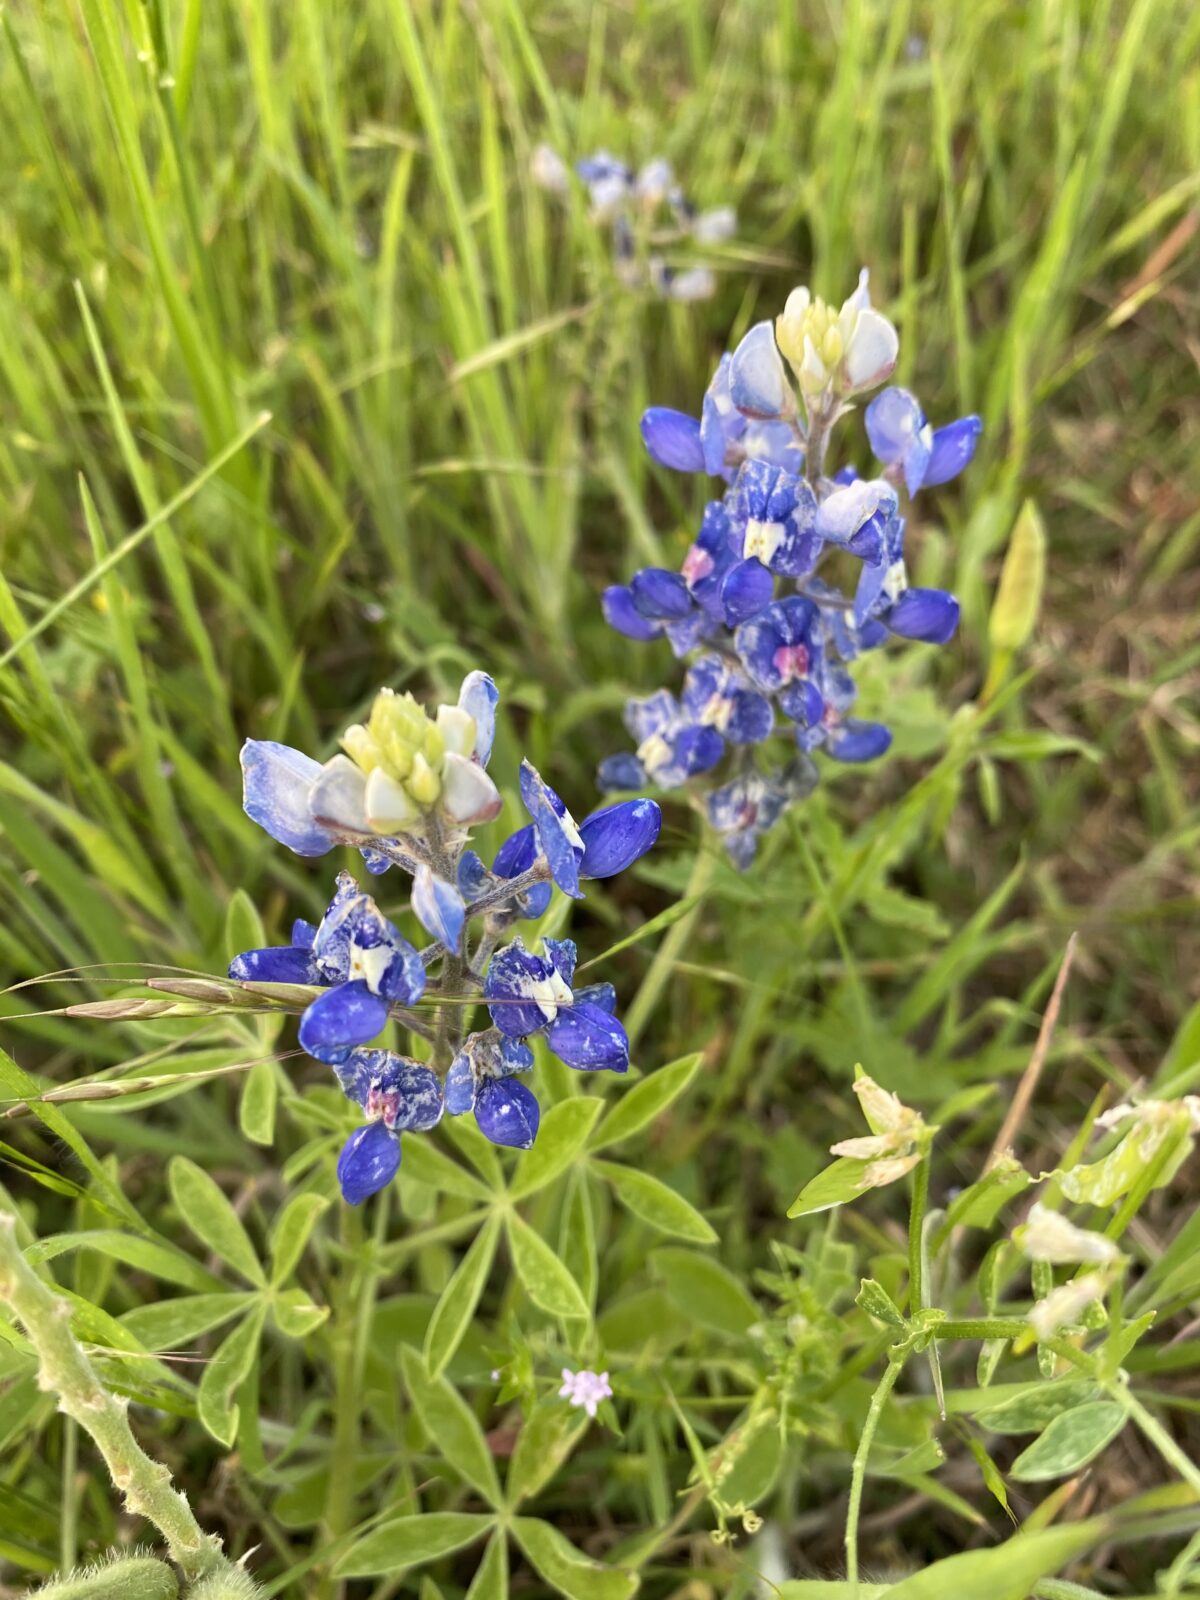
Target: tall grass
column 304, row 387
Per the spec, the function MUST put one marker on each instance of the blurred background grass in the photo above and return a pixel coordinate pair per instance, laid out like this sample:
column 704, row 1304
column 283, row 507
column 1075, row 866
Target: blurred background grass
column 213, row 209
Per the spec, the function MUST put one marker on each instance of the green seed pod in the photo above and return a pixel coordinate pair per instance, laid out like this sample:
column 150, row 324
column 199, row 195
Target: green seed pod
column 118, row 1578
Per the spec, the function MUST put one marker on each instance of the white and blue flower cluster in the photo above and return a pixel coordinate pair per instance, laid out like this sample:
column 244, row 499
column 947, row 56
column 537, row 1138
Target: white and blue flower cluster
column 405, row 791
column 635, row 206
column 763, row 634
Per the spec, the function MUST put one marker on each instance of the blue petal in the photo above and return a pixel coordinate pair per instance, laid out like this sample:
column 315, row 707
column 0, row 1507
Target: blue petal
column 479, row 698
column 697, row 750
column 803, row 702
column 472, row 876
column 303, row 933
column 893, row 420
column 511, row 973
column 750, row 719
column 758, row 385
column 620, row 771
column 617, row 836
column 747, row 588
column 331, row 942
column 341, row 1018
column 953, row 448
column 673, row 439
column 598, row 994
column 621, row 614
column 588, row 1038
column 858, row 741
column 355, row 1073
column 276, row 781
column 405, row 1094
column 563, row 955
column 370, row 1159
column 460, row 1086
column 439, row 908
column 554, row 842
column 283, row 964
column 517, row 854
column 929, row 614
column 375, row 861
column 660, row 595
column 507, row 1113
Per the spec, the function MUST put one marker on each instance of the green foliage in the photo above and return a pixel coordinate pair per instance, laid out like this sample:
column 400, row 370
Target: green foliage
column 215, row 212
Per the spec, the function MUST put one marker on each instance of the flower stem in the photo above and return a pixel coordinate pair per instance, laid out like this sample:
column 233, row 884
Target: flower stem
column 859, row 1471
column 677, row 937
column 66, row 1371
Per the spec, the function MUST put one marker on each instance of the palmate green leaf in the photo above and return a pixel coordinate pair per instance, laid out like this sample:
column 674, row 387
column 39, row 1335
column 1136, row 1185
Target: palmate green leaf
column 1070, row 1441
column 296, row 1315
column 835, row 1186
column 651, row 1200
column 427, row 1164
column 548, row 1435
column 545, row 1280
column 565, row 1568
column 227, row 1369
column 451, row 1425
column 172, row 1324
column 408, row 1541
column 577, row 1237
column 291, row 1232
column 243, row 925
column 158, row 1258
column 704, row 1290
column 453, row 1312
column 562, row 1134
column 208, row 1213
column 639, row 1106
column 1004, row 1572
column 491, row 1576
column 256, row 1110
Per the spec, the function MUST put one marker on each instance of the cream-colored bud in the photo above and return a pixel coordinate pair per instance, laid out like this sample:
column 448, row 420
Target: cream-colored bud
column 457, row 728
column 360, row 747
column 423, row 782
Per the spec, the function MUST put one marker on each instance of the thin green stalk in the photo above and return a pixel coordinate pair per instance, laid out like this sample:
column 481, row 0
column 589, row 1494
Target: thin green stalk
column 65, row 1370
column 916, row 1226
column 677, row 937
column 859, row 1471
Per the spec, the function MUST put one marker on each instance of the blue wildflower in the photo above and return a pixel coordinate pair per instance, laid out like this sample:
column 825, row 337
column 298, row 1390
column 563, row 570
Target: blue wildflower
column 528, row 994
column 768, row 635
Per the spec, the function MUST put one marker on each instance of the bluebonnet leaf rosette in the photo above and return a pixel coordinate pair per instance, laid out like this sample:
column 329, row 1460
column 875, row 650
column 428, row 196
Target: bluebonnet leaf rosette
column 768, row 637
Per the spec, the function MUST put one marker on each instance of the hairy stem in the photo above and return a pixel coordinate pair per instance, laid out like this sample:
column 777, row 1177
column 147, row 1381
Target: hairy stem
column 67, row 1372
column 859, row 1471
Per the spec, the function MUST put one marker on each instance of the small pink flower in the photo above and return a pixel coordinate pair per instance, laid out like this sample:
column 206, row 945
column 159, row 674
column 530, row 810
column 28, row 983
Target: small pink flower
column 585, row 1389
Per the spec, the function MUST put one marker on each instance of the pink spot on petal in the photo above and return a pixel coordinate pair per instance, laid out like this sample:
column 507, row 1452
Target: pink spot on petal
column 791, row 661
column 697, row 564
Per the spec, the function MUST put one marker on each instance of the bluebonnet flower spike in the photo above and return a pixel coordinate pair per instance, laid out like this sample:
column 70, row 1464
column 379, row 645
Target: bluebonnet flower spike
column 414, row 784
column 768, row 639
